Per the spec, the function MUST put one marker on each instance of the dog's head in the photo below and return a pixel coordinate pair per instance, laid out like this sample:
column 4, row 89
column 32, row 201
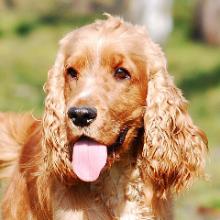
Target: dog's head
column 108, row 82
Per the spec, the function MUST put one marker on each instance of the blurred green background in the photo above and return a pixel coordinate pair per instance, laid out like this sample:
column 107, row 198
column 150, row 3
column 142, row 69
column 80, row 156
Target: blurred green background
column 29, row 34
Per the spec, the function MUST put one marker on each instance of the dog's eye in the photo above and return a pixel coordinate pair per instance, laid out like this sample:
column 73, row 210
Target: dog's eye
column 122, row 73
column 72, row 72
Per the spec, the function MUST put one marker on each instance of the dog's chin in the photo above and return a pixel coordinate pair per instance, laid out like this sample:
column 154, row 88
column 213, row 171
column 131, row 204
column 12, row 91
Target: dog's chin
column 90, row 157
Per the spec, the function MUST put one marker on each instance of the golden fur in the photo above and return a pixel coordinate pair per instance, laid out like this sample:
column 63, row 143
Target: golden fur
column 162, row 153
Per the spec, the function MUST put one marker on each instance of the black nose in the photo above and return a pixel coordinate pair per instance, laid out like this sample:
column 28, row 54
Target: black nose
column 82, row 116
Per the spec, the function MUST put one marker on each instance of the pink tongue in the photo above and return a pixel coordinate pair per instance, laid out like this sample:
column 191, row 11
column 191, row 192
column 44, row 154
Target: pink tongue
column 89, row 157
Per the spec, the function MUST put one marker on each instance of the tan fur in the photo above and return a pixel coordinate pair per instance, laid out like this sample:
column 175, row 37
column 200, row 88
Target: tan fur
column 162, row 153
column 14, row 129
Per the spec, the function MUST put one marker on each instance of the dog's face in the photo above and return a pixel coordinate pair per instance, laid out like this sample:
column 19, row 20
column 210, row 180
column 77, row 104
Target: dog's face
column 110, row 80
column 105, row 95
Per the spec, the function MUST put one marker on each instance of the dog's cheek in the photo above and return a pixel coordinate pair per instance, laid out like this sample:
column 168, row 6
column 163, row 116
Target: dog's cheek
column 133, row 105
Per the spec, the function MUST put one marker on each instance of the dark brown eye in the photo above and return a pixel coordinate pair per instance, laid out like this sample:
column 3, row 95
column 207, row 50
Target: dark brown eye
column 121, row 73
column 72, row 72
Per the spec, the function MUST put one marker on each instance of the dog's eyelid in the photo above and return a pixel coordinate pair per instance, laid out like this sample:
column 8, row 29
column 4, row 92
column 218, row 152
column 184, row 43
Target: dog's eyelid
column 122, row 73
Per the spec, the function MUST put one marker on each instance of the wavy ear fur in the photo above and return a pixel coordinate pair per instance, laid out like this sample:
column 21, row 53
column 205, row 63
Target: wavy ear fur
column 54, row 142
column 174, row 149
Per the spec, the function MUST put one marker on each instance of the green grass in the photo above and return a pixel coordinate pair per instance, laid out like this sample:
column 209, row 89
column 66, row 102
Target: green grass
column 196, row 67
column 28, row 49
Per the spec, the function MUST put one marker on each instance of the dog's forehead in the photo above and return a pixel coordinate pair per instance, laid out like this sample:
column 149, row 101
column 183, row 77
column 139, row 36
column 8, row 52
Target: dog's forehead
column 117, row 36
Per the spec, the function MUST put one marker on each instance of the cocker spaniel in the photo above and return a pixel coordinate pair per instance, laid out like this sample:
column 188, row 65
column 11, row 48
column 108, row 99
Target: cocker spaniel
column 115, row 141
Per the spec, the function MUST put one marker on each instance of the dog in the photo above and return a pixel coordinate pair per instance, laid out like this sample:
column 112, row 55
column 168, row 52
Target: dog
column 115, row 141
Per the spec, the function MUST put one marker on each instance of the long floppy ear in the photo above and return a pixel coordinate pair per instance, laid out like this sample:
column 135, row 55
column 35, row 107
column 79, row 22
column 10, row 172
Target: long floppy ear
column 54, row 142
column 174, row 149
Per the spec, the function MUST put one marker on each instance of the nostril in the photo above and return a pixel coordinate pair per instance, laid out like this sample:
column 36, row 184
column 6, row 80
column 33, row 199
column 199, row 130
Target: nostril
column 82, row 116
column 92, row 113
column 72, row 113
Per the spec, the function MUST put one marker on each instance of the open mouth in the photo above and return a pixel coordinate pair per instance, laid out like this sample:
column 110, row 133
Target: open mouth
column 89, row 156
